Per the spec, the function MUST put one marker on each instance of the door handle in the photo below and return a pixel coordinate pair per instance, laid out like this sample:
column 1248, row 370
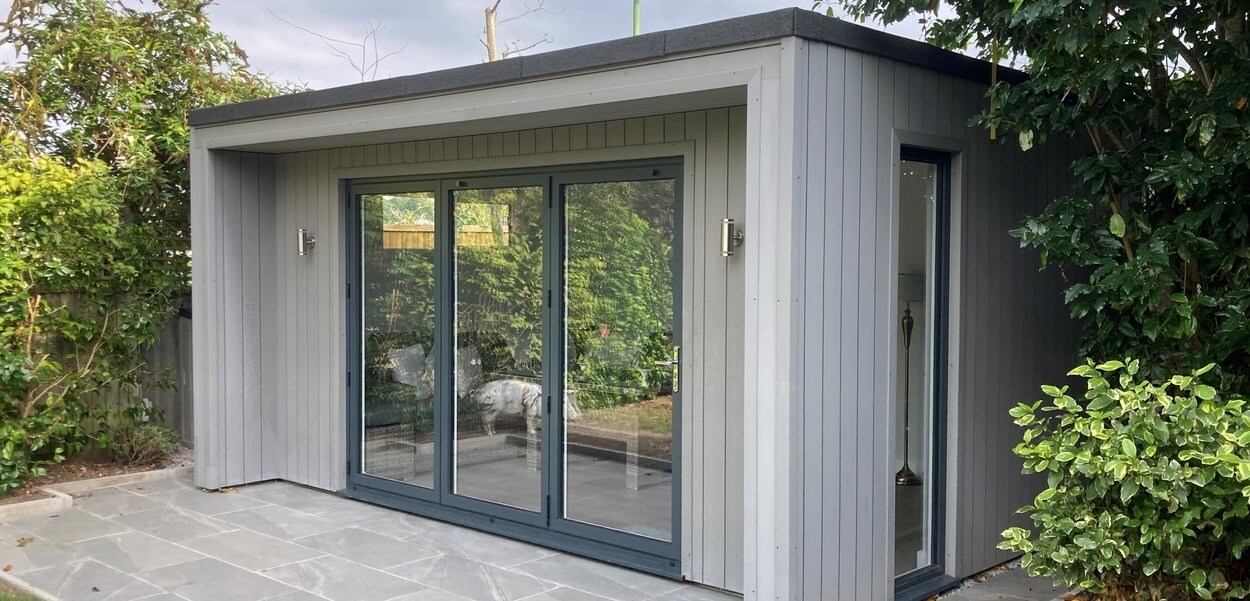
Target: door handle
column 673, row 362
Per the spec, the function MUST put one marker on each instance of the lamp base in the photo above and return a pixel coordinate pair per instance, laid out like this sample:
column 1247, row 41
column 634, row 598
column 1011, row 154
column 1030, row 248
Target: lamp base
column 906, row 477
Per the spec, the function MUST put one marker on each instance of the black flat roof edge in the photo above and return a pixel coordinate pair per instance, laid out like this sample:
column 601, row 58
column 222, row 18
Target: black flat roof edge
column 760, row 27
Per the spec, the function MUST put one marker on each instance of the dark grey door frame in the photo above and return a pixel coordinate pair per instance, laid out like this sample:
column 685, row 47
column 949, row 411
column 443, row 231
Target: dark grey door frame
column 929, row 580
column 545, row 527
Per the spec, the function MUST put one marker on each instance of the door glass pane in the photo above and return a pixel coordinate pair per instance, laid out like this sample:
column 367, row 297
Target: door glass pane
column 913, row 524
column 499, row 327
column 398, row 304
column 619, row 285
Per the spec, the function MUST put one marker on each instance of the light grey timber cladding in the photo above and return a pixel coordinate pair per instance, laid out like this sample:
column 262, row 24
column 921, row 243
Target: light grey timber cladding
column 270, row 325
column 1013, row 331
column 230, row 196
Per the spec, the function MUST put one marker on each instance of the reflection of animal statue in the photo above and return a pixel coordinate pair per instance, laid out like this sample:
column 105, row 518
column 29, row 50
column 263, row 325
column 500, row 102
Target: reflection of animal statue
column 515, row 397
column 410, row 365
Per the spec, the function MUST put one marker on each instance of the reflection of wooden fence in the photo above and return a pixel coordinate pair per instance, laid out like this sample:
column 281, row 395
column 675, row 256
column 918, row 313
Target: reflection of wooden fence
column 421, row 236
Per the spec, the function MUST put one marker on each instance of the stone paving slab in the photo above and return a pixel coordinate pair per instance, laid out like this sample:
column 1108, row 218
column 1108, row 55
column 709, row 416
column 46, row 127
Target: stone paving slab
column 1012, row 585
column 167, row 540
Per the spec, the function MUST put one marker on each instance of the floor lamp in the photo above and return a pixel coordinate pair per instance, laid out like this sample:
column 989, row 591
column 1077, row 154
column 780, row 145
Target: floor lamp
column 911, row 285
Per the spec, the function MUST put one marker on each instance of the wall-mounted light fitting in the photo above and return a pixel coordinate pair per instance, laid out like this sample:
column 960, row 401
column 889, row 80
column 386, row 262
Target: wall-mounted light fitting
column 730, row 237
column 304, row 242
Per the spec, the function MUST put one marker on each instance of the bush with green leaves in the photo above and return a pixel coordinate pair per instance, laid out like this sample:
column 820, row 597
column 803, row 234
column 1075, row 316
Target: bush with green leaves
column 94, row 203
column 58, row 263
column 1148, row 485
column 142, row 443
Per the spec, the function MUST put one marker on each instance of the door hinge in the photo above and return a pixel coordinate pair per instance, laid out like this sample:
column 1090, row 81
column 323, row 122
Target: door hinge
column 548, row 298
column 548, row 404
column 349, row 379
column 349, row 290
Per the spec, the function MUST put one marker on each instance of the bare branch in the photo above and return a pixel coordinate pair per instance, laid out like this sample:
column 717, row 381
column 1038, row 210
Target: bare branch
column 541, row 7
column 492, row 22
column 309, row 31
column 363, row 65
column 516, row 48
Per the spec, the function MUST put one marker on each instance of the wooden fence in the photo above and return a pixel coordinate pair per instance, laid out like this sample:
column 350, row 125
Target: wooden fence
column 170, row 360
column 421, row 236
column 168, row 389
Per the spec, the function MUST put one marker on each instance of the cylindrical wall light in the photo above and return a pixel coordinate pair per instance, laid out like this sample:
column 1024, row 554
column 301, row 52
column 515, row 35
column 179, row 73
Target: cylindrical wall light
column 304, row 242
column 730, row 237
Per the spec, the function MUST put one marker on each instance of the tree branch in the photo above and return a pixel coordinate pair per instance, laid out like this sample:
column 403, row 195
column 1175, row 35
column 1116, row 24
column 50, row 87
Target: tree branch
column 1112, row 199
column 516, row 48
column 309, row 31
column 540, row 7
column 1194, row 63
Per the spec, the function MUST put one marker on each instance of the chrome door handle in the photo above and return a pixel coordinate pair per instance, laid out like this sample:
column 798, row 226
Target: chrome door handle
column 675, row 363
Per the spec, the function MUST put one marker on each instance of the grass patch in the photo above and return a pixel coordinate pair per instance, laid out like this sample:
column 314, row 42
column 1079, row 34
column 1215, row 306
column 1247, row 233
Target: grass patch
column 653, row 415
column 10, row 593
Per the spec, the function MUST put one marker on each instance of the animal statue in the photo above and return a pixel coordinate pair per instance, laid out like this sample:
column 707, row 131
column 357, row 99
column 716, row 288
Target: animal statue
column 515, row 397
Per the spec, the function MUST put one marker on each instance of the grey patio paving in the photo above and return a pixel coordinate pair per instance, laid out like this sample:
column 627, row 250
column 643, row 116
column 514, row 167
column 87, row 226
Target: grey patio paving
column 1011, row 585
column 168, row 540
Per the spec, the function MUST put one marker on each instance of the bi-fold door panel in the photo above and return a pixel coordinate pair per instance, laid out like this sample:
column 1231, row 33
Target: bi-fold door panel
column 484, row 297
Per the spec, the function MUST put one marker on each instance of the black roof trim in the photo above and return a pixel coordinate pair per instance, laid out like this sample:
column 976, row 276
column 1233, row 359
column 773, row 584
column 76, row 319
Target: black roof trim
column 730, row 32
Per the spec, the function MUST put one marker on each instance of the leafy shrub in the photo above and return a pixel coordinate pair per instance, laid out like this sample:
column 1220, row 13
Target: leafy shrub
column 1148, row 485
column 143, row 443
column 94, row 196
column 32, row 442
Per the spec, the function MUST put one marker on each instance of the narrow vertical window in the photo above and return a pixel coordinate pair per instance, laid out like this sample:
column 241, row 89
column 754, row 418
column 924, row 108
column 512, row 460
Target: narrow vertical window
column 922, row 197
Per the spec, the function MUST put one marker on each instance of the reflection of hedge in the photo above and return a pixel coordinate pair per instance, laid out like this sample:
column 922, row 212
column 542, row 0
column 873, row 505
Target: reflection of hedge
column 620, row 296
column 619, row 291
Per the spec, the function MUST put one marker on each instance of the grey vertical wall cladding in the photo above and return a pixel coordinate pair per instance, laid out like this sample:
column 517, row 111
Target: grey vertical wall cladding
column 227, row 198
column 270, row 325
column 1013, row 331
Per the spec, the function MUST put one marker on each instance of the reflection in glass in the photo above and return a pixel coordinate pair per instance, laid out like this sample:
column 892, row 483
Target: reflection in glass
column 498, row 373
column 913, row 520
column 619, row 318
column 397, row 257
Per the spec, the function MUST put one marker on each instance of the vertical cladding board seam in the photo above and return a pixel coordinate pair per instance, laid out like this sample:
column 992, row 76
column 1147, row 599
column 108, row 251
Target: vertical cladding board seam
column 813, row 357
column 249, row 253
column 696, row 129
column 712, row 344
column 734, row 363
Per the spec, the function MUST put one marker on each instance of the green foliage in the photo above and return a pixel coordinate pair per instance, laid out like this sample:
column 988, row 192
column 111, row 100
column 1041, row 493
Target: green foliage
column 57, row 270
column 619, row 285
column 44, row 438
column 620, row 292
column 94, row 201
column 1147, row 486
column 143, row 443
column 1156, row 239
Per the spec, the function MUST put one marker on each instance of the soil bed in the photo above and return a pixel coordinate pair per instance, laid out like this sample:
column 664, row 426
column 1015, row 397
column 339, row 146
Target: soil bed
column 85, row 466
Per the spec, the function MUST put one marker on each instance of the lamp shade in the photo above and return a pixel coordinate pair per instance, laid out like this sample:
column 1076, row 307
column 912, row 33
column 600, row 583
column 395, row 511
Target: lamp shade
column 910, row 287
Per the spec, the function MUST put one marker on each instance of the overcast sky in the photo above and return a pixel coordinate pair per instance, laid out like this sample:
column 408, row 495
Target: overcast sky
column 439, row 34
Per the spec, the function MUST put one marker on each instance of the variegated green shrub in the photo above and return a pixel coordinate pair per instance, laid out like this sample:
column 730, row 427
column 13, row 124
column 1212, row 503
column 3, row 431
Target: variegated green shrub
column 1148, row 486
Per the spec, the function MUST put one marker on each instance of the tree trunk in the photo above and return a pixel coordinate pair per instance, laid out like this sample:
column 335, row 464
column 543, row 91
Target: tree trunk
column 491, row 54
